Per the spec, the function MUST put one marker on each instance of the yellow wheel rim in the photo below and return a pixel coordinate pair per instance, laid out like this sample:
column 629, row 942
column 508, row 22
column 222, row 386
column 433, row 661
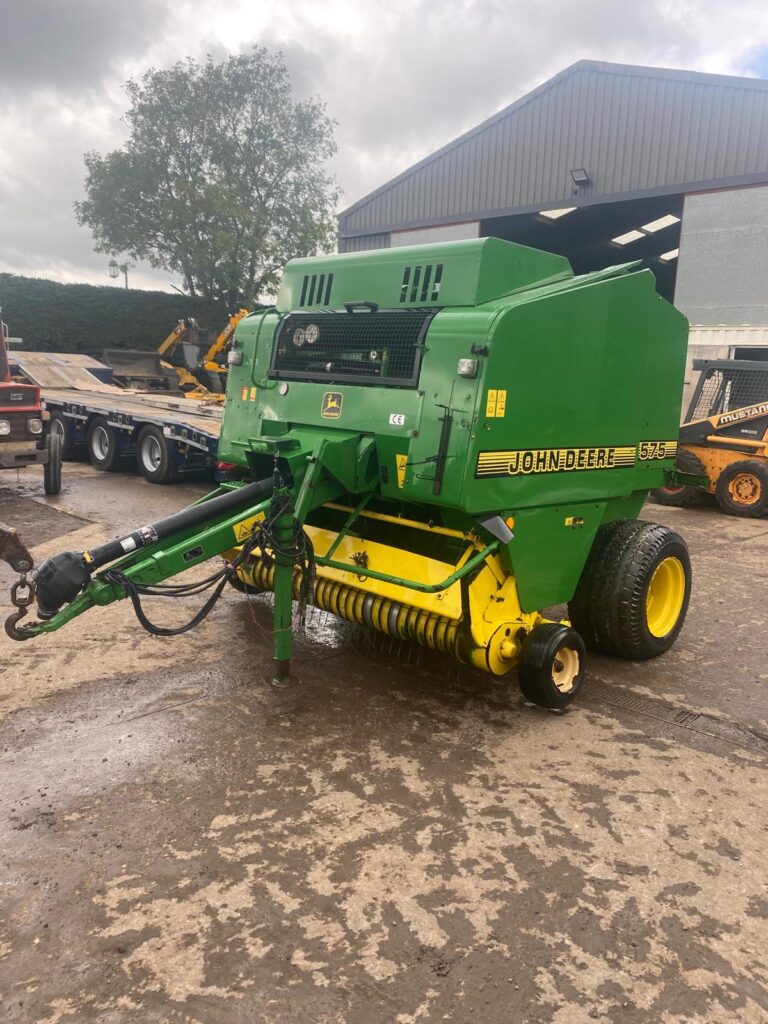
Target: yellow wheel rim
column 665, row 597
column 745, row 489
column 565, row 668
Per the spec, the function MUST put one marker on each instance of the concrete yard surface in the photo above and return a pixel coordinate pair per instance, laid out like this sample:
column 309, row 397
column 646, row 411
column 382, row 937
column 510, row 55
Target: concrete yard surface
column 394, row 839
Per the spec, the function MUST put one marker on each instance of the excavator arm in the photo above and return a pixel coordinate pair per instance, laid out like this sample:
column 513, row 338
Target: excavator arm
column 224, row 338
column 177, row 335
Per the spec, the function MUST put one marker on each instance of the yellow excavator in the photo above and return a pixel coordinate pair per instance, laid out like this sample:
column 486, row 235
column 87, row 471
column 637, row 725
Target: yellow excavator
column 214, row 360
column 184, row 362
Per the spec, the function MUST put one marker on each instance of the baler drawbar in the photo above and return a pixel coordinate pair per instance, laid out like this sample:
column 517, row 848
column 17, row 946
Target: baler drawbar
column 439, row 443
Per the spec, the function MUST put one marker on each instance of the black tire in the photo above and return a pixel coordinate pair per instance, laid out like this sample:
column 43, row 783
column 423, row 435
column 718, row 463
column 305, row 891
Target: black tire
column 59, row 425
column 551, row 667
column 742, row 488
column 683, row 495
column 52, row 468
column 611, row 607
column 152, row 455
column 102, row 445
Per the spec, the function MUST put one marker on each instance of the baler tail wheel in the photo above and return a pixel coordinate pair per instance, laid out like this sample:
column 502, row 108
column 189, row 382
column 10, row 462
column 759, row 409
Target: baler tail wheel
column 742, row 488
column 633, row 594
column 551, row 667
column 681, row 495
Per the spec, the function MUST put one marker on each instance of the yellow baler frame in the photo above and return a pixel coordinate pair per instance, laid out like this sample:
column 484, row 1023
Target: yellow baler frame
column 480, row 622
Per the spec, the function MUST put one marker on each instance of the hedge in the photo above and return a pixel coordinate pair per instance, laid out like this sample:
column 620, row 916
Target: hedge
column 55, row 317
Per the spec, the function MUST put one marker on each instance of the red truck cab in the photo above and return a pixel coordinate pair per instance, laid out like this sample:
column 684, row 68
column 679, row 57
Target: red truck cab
column 24, row 440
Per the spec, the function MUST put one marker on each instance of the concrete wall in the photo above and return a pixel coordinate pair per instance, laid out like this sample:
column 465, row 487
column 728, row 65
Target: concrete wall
column 722, row 274
column 443, row 233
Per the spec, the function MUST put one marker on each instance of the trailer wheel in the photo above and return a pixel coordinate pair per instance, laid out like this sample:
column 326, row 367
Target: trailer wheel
column 681, row 495
column 633, row 595
column 551, row 668
column 742, row 488
column 52, row 468
column 102, row 445
column 153, row 456
column 58, row 425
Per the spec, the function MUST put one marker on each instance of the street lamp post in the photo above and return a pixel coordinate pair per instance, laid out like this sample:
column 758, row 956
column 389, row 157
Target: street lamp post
column 115, row 269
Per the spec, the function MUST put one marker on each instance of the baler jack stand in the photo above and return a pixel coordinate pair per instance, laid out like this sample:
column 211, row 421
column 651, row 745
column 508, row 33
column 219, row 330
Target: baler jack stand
column 284, row 528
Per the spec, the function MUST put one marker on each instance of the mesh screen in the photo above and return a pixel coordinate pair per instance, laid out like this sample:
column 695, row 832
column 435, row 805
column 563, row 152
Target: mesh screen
column 724, row 390
column 375, row 348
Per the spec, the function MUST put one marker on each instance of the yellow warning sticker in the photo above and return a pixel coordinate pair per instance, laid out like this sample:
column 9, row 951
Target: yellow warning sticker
column 402, row 463
column 253, row 394
column 244, row 529
column 496, row 404
column 244, row 394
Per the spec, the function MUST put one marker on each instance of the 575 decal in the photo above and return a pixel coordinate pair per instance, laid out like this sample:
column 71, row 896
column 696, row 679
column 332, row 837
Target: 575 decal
column 656, row 450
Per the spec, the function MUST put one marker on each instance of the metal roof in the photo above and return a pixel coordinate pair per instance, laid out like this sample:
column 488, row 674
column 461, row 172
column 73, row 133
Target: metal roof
column 637, row 131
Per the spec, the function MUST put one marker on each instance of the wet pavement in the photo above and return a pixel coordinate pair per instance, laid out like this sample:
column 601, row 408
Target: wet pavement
column 394, row 839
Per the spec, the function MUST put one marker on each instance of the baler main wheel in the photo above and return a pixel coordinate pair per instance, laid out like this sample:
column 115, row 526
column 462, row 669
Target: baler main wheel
column 551, row 667
column 633, row 594
column 681, row 495
column 742, row 488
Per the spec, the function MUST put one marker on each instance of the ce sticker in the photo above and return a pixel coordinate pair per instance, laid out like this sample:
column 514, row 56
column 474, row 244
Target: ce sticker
column 396, row 419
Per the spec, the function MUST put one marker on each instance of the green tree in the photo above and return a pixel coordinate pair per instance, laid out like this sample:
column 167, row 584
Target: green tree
column 222, row 179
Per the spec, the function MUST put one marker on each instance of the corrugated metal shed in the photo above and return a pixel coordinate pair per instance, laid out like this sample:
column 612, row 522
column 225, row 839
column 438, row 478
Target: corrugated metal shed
column 637, row 131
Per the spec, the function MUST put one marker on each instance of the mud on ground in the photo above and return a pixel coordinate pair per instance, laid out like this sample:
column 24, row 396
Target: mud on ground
column 393, row 840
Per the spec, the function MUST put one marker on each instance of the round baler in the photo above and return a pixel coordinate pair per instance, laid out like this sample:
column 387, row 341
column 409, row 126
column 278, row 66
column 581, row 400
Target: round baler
column 452, row 442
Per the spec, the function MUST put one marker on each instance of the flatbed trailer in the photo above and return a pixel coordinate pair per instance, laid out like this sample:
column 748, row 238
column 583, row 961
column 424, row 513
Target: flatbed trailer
column 166, row 438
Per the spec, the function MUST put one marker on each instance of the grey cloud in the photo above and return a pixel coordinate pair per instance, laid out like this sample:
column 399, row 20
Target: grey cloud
column 400, row 79
column 71, row 45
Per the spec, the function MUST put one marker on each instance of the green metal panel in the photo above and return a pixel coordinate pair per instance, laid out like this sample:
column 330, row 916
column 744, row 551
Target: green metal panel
column 591, row 373
column 470, row 272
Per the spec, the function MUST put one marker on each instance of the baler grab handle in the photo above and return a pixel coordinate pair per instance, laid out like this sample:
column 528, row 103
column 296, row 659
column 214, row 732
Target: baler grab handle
column 372, row 307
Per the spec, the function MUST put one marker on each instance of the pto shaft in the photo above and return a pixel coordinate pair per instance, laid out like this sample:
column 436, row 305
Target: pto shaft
column 61, row 578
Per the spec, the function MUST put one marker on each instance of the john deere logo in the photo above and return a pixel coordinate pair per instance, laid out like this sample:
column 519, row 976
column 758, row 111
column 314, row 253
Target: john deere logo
column 331, row 408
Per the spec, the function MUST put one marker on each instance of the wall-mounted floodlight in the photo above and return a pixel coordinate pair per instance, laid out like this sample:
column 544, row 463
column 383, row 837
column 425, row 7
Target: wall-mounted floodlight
column 580, row 177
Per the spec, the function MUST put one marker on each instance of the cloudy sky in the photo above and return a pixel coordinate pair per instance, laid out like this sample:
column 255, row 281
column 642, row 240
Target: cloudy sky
column 400, row 77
